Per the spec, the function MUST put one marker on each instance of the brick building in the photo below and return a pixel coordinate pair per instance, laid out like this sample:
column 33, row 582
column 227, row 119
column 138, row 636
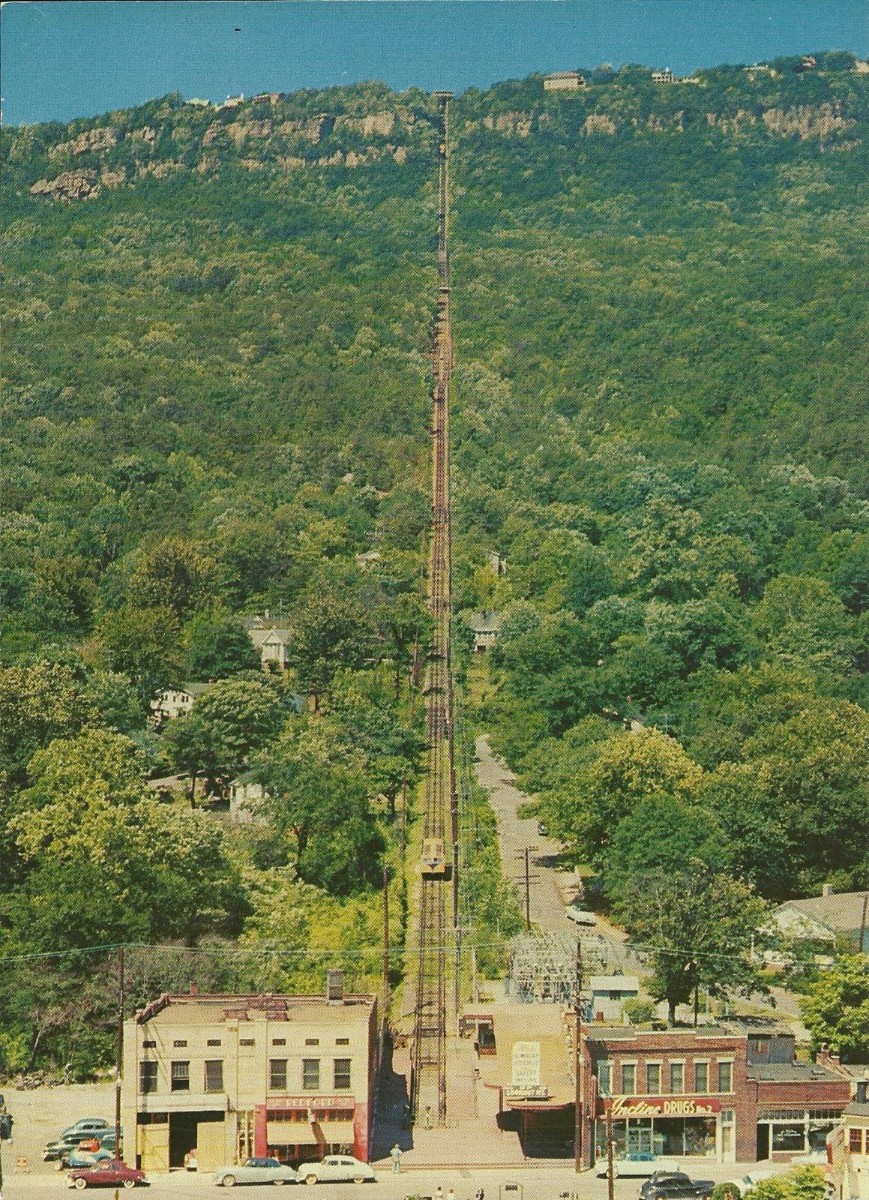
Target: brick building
column 235, row 1075
column 733, row 1092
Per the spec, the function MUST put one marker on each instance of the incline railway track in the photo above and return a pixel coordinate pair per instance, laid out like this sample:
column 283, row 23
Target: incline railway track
column 437, row 863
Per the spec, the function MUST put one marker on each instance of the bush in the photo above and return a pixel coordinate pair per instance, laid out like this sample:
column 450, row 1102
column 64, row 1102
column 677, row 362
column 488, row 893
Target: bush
column 639, row 1012
column 726, row 1191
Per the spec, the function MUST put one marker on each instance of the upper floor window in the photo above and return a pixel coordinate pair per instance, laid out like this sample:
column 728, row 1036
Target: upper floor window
column 214, row 1075
column 604, row 1077
column 677, row 1077
column 147, row 1077
column 278, row 1074
column 701, row 1077
column 342, row 1074
column 725, row 1077
column 653, row 1079
column 311, row 1074
column 629, row 1079
column 180, row 1077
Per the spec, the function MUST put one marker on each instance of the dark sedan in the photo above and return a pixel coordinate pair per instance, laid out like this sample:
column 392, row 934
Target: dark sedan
column 676, row 1185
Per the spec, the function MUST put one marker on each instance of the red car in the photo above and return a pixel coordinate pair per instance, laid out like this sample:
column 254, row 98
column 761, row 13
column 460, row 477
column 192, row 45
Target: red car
column 112, row 1173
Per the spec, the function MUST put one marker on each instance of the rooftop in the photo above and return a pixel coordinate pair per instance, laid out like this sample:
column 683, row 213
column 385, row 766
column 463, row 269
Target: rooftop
column 206, row 1010
column 840, row 912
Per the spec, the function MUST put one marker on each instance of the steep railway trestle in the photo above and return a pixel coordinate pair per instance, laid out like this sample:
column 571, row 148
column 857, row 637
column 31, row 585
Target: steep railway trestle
column 438, row 862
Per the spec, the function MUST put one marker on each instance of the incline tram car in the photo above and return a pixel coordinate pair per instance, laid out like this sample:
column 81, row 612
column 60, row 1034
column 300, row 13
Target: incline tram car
column 432, row 861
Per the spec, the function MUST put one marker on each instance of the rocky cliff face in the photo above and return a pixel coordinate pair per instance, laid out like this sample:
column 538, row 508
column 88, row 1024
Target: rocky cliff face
column 371, row 125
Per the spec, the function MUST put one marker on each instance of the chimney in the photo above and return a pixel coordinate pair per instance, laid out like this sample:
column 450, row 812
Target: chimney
column 827, row 889
column 862, row 1085
column 335, row 987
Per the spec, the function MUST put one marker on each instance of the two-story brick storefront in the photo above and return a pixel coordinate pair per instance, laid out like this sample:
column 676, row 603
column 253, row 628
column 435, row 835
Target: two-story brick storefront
column 732, row 1092
column 236, row 1075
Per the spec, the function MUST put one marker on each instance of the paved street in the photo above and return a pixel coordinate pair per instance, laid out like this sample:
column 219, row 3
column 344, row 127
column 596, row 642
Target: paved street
column 551, row 885
column 515, row 1183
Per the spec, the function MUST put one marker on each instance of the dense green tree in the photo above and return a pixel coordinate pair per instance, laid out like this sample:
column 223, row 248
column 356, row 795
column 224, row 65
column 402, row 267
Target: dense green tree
column 696, row 928
column 836, row 1009
column 232, row 719
column 629, row 769
column 218, row 646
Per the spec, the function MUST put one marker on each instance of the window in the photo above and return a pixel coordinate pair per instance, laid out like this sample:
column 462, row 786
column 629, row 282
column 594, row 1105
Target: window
column 311, row 1074
column 312, row 1041
column 246, row 1042
column 677, row 1077
column 342, row 1074
column 213, row 1042
column 653, row 1079
column 342, row 1041
column 279, row 1041
column 701, row 1077
column 214, row 1075
column 604, row 1077
column 147, row 1077
column 146, row 1045
column 278, row 1074
column 180, row 1076
column 179, row 1045
column 725, row 1077
column 629, row 1078
column 855, row 1141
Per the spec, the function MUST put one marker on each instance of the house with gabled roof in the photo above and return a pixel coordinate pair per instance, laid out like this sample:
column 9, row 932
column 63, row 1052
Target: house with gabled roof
column 830, row 917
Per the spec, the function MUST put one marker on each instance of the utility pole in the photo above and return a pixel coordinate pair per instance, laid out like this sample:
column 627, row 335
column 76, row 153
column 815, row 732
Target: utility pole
column 385, row 1013
column 526, row 853
column 119, row 1062
column 861, row 944
column 610, row 1165
column 577, row 1062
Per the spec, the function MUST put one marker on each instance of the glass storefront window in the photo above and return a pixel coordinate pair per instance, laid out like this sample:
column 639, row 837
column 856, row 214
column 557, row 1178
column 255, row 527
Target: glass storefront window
column 788, row 1137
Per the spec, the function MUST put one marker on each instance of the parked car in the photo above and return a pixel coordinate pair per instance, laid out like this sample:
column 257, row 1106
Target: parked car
column 55, row 1151
column 636, row 1165
column 256, row 1170
column 754, row 1177
column 580, row 916
column 85, row 1127
column 85, row 1158
column 107, row 1141
column 111, row 1173
column 337, row 1168
column 543, row 829
column 675, row 1185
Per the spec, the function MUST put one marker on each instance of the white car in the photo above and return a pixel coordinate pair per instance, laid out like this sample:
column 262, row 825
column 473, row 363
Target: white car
column 636, row 1165
column 255, row 1170
column 753, row 1178
column 337, row 1168
column 580, row 916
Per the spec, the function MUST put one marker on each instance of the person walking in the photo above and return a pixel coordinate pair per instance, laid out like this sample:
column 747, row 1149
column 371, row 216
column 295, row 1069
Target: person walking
column 451, row 1194
column 395, row 1155
column 439, row 1193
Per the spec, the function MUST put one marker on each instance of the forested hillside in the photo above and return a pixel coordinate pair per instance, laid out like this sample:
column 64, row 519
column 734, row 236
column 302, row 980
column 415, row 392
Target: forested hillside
column 216, row 379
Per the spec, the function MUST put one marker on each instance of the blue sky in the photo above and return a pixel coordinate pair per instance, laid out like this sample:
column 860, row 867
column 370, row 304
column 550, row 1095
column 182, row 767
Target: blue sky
column 68, row 58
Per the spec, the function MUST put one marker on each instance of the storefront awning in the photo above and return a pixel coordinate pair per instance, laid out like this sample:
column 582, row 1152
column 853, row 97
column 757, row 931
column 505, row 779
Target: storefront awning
column 337, row 1131
column 291, row 1133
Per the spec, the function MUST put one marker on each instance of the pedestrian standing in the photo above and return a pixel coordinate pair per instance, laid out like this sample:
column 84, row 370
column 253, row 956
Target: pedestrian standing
column 479, row 1194
column 439, row 1193
column 451, row 1194
column 395, row 1155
